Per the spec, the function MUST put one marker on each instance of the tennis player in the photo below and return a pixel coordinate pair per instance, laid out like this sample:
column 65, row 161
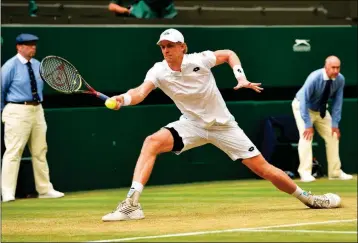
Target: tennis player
column 189, row 82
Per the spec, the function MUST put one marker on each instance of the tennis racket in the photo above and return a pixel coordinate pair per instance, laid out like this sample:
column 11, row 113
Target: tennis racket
column 62, row 76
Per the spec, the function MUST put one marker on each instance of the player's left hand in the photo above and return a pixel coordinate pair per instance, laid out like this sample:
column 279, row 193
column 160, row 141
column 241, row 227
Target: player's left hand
column 335, row 130
column 247, row 84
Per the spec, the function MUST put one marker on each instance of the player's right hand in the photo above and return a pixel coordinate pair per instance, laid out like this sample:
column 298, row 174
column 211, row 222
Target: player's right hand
column 120, row 100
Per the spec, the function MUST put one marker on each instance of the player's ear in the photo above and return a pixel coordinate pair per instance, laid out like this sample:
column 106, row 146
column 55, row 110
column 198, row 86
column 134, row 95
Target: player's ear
column 185, row 48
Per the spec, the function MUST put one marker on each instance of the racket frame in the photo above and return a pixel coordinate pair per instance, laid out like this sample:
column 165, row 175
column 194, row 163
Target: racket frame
column 90, row 91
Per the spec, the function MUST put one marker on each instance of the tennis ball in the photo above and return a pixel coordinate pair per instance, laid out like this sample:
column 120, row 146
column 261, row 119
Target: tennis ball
column 111, row 103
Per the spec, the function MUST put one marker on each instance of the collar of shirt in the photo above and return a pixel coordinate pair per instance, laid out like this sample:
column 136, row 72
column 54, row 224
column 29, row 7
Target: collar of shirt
column 185, row 60
column 23, row 59
column 184, row 63
column 325, row 76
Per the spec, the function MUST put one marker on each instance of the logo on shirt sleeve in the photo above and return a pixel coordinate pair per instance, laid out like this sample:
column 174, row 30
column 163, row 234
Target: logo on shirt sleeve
column 251, row 149
column 196, row 69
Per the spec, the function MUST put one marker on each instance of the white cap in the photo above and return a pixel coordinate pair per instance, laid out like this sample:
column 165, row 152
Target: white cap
column 172, row 35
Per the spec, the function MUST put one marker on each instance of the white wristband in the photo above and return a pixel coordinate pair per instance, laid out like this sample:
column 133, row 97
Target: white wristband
column 127, row 99
column 238, row 71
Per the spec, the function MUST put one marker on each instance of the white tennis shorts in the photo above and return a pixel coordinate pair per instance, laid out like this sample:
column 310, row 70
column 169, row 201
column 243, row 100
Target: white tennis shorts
column 230, row 138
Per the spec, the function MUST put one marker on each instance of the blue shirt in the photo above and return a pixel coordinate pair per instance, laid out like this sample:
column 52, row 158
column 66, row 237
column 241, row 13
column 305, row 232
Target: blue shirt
column 15, row 80
column 311, row 92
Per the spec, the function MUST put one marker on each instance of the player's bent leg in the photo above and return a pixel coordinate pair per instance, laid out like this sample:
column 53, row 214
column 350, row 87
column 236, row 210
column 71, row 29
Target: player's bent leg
column 130, row 209
column 284, row 183
column 157, row 143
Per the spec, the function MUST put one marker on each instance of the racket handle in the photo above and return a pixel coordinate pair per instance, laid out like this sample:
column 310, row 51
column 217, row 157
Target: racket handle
column 102, row 96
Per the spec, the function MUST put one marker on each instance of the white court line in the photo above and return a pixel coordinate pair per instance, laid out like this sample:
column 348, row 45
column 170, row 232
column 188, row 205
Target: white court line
column 228, row 231
column 304, row 231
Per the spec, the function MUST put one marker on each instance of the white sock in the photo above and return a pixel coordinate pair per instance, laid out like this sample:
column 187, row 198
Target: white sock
column 136, row 186
column 301, row 195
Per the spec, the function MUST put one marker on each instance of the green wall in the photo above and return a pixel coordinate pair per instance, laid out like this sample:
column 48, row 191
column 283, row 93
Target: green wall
column 116, row 58
column 91, row 148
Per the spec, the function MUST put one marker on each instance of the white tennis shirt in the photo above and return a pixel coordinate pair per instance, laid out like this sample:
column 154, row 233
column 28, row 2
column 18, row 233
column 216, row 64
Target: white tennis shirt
column 194, row 89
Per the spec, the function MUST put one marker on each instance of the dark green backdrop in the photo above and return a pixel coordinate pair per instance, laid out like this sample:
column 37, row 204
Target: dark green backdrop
column 117, row 58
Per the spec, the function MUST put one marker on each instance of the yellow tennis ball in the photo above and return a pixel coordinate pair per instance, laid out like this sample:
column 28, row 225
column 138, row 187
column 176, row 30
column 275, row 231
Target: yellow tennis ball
column 111, row 103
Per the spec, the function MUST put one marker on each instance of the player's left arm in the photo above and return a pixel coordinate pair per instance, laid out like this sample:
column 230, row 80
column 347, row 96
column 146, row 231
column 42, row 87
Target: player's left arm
column 230, row 57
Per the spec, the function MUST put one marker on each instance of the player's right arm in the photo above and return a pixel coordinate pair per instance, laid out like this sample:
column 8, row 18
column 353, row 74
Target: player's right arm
column 136, row 95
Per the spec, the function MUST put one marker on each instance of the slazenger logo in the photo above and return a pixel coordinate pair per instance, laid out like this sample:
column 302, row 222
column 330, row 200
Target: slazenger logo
column 301, row 45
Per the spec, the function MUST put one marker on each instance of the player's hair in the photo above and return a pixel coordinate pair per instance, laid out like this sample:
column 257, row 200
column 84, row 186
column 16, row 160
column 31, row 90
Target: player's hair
column 186, row 48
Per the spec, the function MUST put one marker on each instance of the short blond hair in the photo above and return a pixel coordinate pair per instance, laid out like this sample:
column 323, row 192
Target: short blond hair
column 186, row 48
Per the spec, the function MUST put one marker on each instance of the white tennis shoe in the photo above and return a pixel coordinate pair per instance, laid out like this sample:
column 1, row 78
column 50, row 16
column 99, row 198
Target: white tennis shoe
column 8, row 198
column 328, row 200
column 125, row 211
column 343, row 176
column 307, row 178
column 52, row 194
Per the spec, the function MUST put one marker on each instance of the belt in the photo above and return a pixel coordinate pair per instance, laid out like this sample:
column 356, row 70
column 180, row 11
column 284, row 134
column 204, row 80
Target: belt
column 35, row 103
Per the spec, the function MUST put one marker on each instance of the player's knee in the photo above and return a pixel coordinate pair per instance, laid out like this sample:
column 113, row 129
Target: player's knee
column 259, row 166
column 152, row 144
column 261, row 171
column 266, row 171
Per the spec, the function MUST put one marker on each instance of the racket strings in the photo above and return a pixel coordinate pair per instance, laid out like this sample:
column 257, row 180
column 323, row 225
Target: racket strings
column 60, row 75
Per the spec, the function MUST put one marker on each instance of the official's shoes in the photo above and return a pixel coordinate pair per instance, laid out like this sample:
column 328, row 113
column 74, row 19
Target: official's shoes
column 307, row 178
column 125, row 211
column 8, row 198
column 328, row 200
column 52, row 194
column 342, row 176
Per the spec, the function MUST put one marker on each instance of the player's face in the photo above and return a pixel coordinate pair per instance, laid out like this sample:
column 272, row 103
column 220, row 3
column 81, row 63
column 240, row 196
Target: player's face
column 171, row 51
column 333, row 68
column 27, row 50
